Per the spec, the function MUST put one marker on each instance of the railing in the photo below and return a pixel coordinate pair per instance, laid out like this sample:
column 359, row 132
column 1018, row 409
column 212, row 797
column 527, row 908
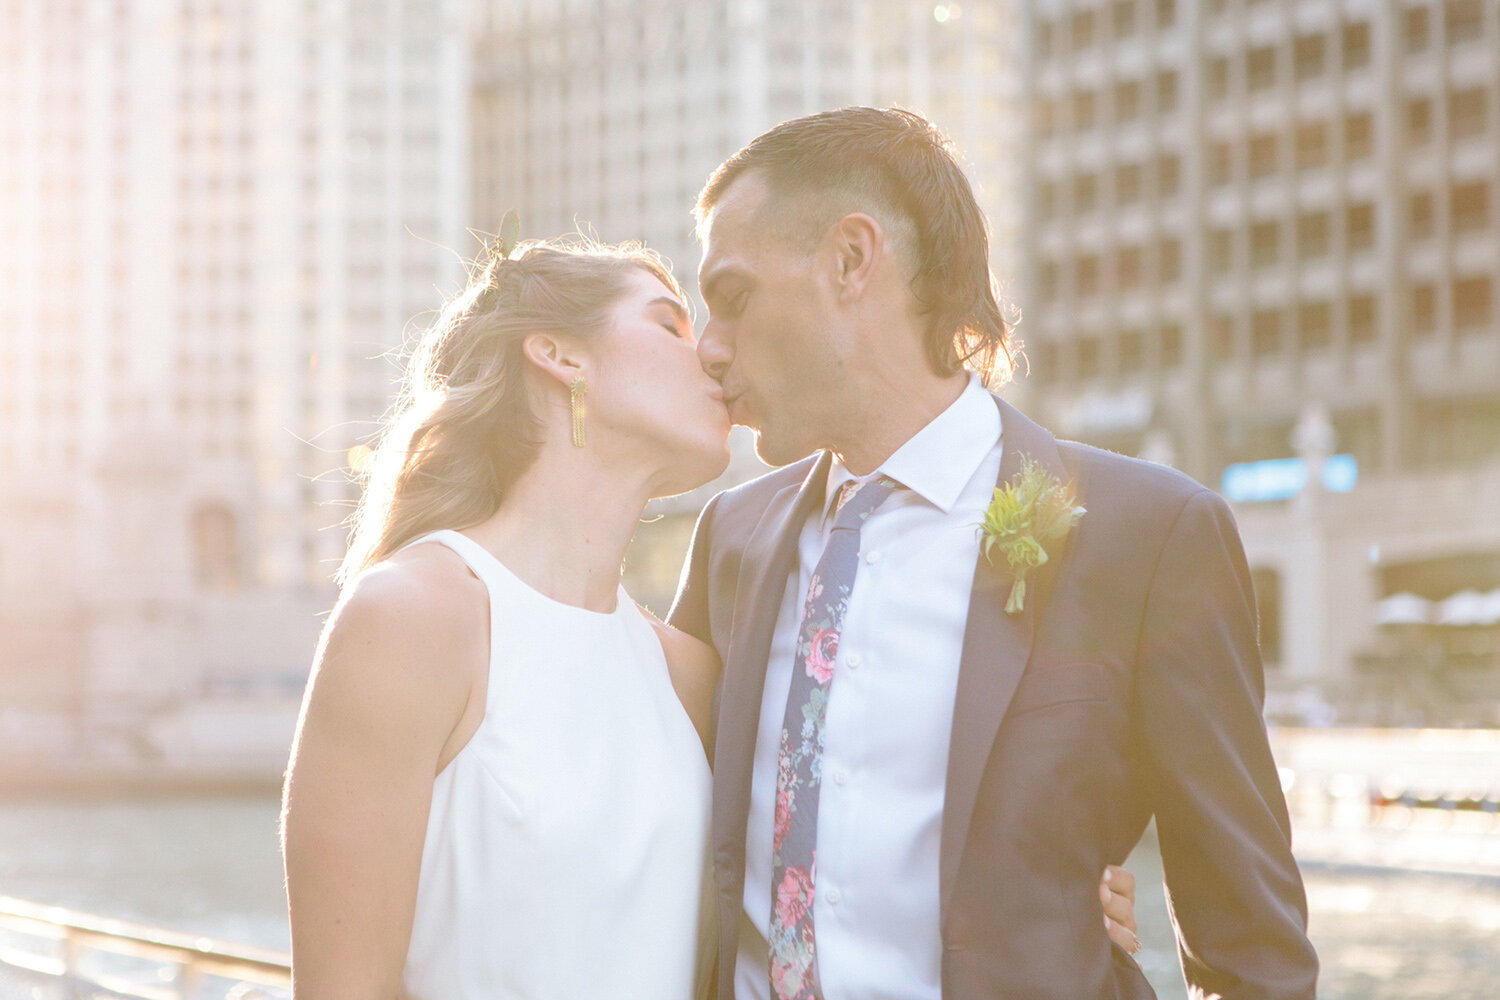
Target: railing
column 81, row 955
column 1408, row 800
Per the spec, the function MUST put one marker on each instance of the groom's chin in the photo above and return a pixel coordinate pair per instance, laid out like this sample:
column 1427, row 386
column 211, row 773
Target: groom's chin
column 776, row 451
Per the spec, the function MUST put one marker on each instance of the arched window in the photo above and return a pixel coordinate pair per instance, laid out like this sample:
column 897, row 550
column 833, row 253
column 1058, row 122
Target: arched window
column 217, row 563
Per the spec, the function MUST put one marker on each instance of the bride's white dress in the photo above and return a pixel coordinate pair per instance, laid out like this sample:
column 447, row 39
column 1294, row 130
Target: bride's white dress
column 567, row 846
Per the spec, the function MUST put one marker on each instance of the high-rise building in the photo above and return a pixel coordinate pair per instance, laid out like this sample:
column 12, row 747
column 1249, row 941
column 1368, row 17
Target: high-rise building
column 216, row 220
column 610, row 115
column 1250, row 216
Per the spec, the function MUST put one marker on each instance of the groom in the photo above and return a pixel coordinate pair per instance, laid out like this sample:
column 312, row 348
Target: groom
column 921, row 768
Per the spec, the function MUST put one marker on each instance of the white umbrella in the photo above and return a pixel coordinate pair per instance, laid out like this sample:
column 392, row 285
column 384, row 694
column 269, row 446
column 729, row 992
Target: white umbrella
column 1467, row 607
column 1403, row 609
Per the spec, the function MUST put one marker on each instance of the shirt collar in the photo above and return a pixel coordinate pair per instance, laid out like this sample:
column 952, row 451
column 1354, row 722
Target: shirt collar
column 938, row 461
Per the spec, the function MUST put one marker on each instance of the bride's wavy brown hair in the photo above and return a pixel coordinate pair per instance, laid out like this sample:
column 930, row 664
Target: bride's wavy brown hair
column 463, row 429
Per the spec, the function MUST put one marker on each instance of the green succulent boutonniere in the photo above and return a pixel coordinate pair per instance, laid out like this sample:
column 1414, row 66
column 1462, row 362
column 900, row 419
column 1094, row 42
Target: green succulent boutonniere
column 1028, row 514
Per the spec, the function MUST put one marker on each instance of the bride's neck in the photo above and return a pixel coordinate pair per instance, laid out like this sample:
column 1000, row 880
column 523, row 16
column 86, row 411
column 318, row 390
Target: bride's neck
column 565, row 524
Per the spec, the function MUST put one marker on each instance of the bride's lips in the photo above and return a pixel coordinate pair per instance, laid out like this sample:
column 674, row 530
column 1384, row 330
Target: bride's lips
column 717, row 395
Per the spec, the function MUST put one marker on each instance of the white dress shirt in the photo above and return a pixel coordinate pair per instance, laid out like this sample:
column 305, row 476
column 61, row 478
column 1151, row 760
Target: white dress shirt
column 890, row 715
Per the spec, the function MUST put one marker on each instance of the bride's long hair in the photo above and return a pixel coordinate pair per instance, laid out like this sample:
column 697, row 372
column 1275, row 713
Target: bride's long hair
column 463, row 429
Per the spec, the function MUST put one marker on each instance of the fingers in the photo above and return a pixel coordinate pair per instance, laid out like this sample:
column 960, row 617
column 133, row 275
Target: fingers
column 1121, row 881
column 1117, row 895
column 1122, row 936
column 1119, row 910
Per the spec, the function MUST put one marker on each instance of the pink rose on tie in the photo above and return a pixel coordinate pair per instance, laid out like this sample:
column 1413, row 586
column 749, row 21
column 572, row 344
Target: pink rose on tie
column 824, row 648
column 794, row 896
column 784, row 808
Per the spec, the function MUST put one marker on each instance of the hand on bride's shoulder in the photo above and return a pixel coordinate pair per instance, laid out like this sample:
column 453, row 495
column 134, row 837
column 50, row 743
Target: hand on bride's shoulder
column 694, row 666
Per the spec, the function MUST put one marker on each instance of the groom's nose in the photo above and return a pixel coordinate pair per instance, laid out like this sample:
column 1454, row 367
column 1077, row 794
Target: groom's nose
column 714, row 353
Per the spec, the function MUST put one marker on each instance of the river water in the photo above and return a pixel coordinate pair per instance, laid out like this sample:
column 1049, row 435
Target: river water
column 210, row 866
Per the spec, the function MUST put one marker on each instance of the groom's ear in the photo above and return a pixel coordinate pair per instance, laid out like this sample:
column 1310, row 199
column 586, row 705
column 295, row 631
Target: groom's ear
column 859, row 242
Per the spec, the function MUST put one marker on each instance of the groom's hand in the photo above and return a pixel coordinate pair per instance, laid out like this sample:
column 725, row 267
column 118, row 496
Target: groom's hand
column 1117, row 893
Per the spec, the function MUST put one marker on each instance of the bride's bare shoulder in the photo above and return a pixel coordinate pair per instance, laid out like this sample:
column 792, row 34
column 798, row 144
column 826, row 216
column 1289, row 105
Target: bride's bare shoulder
column 420, row 605
column 396, row 673
column 424, row 583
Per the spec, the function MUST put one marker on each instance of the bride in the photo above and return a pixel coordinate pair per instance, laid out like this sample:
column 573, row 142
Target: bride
column 500, row 782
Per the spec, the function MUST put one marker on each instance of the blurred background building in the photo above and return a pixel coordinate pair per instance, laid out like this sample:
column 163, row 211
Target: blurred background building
column 215, row 220
column 1254, row 239
column 1264, row 233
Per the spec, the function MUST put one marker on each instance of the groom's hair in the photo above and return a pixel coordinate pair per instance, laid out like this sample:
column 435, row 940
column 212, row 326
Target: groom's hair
column 898, row 167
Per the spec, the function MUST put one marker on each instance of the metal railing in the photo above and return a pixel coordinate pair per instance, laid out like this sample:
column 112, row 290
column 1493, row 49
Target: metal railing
column 81, row 955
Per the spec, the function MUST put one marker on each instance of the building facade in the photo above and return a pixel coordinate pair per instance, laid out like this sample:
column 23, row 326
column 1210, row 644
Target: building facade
column 216, row 220
column 1243, row 215
column 612, row 114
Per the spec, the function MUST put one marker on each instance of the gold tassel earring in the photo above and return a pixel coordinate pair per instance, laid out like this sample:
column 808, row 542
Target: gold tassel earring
column 579, row 387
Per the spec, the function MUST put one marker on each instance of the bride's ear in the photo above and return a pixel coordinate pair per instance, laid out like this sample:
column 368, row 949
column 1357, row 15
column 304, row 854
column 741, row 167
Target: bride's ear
column 554, row 357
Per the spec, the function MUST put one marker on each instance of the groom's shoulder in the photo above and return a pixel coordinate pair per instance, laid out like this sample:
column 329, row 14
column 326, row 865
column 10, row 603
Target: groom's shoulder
column 751, row 497
column 1135, row 490
column 1111, row 469
column 1126, row 483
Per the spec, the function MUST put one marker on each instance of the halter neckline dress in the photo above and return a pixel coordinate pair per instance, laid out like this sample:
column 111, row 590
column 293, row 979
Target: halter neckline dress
column 567, row 847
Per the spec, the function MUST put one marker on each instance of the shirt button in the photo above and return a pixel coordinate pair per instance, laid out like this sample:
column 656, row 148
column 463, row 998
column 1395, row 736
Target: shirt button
column 873, row 557
column 834, row 896
column 840, row 777
column 854, row 660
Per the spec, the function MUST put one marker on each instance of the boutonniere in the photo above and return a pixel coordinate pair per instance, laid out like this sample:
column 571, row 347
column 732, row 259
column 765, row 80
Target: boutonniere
column 1031, row 512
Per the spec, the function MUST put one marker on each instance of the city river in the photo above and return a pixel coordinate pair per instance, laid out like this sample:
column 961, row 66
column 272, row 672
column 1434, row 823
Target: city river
column 210, row 866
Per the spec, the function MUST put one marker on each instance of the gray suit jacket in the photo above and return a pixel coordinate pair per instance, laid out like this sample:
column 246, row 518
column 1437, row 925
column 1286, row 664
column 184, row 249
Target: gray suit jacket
column 1129, row 686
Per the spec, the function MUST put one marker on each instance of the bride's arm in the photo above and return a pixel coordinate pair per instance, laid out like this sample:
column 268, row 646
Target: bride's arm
column 694, row 667
column 391, row 681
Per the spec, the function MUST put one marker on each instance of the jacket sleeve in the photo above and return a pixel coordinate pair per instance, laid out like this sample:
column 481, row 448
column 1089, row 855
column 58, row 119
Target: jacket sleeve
column 1234, row 891
column 690, row 607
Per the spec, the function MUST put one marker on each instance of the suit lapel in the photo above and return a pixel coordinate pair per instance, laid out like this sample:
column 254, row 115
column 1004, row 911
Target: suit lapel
column 769, row 557
column 996, row 649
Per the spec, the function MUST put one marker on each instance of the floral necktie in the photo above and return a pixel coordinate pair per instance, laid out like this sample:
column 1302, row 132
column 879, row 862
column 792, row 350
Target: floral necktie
column 799, row 762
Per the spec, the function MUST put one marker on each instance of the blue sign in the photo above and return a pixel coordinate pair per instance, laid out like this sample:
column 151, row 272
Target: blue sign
column 1281, row 478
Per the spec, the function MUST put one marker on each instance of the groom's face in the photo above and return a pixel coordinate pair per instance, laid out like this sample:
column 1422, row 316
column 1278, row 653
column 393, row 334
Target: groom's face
column 767, row 339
